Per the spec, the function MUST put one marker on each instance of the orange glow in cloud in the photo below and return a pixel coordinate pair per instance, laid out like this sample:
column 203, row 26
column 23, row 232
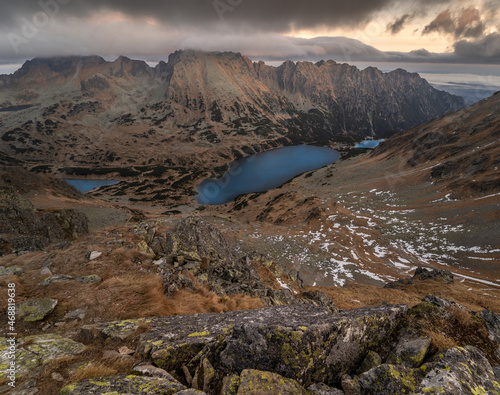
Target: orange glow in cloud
column 118, row 17
column 375, row 34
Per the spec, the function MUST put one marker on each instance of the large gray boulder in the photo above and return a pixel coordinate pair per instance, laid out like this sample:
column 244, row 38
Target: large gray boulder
column 459, row 370
column 256, row 382
column 124, row 384
column 303, row 342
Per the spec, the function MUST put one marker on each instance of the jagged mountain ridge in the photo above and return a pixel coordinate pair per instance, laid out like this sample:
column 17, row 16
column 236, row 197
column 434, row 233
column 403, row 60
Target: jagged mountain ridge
column 213, row 106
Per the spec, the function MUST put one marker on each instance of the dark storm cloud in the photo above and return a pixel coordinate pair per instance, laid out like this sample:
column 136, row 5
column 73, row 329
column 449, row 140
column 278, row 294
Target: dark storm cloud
column 487, row 47
column 276, row 15
column 466, row 22
column 398, row 25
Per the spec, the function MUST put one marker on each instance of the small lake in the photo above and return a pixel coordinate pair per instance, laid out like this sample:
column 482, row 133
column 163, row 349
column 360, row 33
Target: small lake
column 264, row 171
column 87, row 185
column 368, row 144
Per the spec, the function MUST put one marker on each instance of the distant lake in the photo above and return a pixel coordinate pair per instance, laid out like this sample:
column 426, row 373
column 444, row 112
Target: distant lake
column 264, row 171
column 87, row 185
column 368, row 144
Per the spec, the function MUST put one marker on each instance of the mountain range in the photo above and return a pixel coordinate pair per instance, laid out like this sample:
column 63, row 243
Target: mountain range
column 200, row 108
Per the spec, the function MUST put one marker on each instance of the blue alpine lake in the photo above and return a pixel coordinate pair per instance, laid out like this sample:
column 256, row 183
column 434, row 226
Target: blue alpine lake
column 264, row 171
column 368, row 144
column 87, row 185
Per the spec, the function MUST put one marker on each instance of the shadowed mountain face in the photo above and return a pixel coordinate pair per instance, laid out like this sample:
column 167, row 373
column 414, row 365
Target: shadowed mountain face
column 200, row 107
column 460, row 149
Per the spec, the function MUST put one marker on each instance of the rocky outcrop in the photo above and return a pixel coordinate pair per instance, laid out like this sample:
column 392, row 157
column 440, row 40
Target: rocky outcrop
column 294, row 349
column 22, row 228
column 297, row 350
column 196, row 252
column 422, row 274
column 304, row 343
column 95, row 83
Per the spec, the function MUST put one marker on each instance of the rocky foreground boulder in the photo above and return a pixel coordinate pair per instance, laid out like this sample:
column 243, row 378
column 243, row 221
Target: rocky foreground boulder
column 295, row 349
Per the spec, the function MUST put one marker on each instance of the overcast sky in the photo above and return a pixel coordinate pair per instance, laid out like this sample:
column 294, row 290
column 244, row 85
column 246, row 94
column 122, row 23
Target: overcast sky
column 383, row 30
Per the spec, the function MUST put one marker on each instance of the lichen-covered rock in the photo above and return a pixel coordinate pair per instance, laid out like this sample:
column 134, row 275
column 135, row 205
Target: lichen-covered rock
column 256, row 382
column 459, row 370
column 280, row 297
column 455, row 371
column 205, row 376
column 493, row 322
column 124, row 384
column 319, row 298
column 389, row 380
column 323, row 389
column 442, row 302
column 296, row 277
column 195, row 248
column 372, row 360
column 410, row 350
column 303, row 342
column 146, row 369
column 33, row 352
column 35, row 309
column 117, row 330
column 423, row 274
column 56, row 278
column 91, row 279
column 12, row 270
column 230, row 385
column 193, row 238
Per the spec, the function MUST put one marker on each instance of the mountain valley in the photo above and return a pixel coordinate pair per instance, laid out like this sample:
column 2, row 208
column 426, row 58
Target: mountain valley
column 296, row 287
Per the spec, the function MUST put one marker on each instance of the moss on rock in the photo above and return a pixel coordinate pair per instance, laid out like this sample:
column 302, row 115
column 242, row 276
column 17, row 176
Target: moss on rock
column 35, row 309
column 33, row 352
column 256, row 382
column 124, row 384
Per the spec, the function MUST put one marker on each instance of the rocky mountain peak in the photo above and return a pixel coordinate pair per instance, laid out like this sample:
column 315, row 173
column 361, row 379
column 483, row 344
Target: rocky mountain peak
column 64, row 66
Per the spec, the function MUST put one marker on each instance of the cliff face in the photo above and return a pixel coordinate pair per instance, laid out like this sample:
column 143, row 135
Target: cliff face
column 89, row 111
column 368, row 101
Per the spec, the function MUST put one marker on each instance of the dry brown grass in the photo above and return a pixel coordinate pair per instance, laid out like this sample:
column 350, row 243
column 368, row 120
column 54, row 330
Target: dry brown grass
column 475, row 299
column 354, row 296
column 453, row 327
column 92, row 370
column 266, row 276
column 204, row 301
column 440, row 340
